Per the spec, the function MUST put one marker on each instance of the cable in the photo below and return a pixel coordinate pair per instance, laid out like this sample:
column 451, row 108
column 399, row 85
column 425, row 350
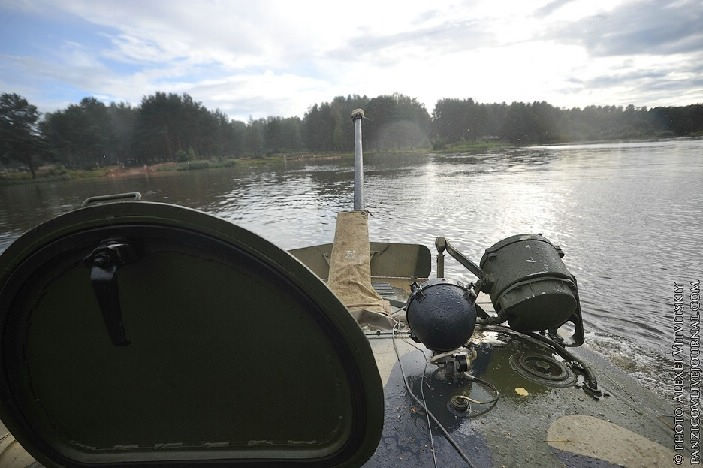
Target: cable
column 415, row 346
column 427, row 411
column 429, row 426
column 492, row 402
column 589, row 378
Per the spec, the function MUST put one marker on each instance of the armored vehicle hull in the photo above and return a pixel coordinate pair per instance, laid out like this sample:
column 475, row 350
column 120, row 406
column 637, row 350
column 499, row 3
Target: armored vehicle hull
column 219, row 348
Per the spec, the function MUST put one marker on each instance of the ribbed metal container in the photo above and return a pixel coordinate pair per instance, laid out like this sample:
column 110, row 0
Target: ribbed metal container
column 529, row 283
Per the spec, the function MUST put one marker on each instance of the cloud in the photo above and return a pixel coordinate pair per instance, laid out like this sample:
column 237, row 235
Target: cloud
column 551, row 7
column 278, row 57
column 608, row 80
column 262, row 94
column 76, row 69
column 650, row 27
column 642, row 80
column 445, row 37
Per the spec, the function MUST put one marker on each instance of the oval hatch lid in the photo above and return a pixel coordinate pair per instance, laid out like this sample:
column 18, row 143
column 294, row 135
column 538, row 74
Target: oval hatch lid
column 138, row 333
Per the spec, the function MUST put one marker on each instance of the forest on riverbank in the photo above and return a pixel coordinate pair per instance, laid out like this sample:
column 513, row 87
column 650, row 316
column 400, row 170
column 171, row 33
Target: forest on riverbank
column 174, row 127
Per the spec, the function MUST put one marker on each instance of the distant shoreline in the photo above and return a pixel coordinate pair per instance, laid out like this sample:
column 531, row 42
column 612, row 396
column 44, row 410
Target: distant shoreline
column 57, row 172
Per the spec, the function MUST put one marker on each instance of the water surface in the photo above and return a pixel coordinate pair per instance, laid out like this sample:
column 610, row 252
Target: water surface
column 627, row 215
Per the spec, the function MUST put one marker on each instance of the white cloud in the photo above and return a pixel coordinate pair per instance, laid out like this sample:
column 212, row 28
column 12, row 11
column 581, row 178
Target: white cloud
column 279, row 57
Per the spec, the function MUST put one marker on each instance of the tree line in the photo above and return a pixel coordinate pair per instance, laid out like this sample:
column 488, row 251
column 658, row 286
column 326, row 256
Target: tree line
column 174, row 127
column 455, row 120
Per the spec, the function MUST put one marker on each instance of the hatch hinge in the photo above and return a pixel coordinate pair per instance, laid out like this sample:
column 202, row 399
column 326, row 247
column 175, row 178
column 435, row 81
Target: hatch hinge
column 104, row 261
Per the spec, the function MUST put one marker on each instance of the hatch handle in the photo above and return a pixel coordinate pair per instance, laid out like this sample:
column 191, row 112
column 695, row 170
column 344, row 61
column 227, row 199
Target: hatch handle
column 117, row 196
column 104, row 261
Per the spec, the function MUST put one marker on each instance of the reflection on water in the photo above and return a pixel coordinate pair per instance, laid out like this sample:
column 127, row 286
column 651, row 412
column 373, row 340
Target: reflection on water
column 627, row 216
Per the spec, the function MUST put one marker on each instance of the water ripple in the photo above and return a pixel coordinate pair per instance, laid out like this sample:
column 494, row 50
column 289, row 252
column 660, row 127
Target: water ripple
column 626, row 215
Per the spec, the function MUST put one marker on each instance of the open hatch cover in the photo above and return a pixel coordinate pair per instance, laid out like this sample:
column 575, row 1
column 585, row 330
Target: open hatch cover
column 139, row 333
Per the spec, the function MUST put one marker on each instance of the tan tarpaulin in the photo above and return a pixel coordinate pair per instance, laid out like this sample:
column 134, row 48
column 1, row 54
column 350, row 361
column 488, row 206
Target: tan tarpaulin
column 350, row 272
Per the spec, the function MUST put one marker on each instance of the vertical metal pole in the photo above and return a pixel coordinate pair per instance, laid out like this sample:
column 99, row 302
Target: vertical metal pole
column 440, row 265
column 357, row 116
column 441, row 244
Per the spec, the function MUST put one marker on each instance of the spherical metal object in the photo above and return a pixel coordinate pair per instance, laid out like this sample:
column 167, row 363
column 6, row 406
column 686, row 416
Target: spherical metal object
column 441, row 314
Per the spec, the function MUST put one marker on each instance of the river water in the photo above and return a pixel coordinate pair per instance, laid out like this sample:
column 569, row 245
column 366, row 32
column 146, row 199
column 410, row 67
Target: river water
column 627, row 215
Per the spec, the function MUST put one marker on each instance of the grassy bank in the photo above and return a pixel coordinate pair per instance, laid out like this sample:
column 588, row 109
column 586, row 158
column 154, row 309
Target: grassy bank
column 57, row 172
column 49, row 173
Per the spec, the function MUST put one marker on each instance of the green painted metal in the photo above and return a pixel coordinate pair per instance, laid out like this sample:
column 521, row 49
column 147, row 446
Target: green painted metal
column 528, row 283
column 223, row 325
column 236, row 351
column 387, row 259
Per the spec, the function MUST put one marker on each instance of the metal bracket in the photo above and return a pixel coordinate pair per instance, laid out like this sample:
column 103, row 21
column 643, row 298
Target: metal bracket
column 443, row 244
column 578, row 337
column 357, row 114
column 454, row 364
column 104, row 261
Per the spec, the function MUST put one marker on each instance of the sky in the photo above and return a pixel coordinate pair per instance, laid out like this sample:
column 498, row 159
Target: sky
column 260, row 58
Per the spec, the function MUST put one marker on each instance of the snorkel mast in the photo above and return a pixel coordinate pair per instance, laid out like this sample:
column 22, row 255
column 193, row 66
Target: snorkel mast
column 356, row 116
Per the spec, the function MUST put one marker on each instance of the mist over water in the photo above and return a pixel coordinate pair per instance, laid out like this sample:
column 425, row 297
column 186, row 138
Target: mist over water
column 627, row 215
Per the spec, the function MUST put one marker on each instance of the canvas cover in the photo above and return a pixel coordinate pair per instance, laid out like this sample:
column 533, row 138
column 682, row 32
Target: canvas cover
column 350, row 272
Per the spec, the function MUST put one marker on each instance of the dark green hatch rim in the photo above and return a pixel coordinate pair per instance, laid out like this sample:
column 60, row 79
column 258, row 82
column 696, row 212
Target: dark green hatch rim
column 33, row 259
